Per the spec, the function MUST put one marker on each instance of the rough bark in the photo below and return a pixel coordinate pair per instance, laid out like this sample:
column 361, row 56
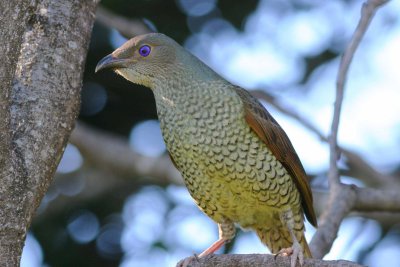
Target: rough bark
column 10, row 38
column 262, row 260
column 45, row 45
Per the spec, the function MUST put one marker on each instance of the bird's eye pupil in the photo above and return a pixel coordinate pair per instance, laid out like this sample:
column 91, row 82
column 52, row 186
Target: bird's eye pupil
column 144, row 50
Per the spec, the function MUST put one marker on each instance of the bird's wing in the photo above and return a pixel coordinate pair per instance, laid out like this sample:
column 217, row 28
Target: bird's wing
column 269, row 131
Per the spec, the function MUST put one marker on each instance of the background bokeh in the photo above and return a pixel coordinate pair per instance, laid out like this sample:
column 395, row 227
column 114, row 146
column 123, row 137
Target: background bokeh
column 288, row 48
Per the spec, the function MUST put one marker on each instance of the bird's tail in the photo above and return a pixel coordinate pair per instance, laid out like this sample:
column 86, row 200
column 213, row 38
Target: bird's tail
column 277, row 239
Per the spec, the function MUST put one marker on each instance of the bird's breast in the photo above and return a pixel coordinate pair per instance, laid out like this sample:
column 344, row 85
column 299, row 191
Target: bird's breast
column 198, row 121
column 227, row 169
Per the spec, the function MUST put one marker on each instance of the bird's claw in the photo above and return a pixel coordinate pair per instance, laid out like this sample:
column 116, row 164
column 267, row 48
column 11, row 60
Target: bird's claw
column 284, row 252
column 295, row 252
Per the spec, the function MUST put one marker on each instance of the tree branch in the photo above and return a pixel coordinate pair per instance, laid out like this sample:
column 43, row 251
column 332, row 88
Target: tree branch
column 262, row 260
column 127, row 27
column 342, row 198
column 368, row 11
column 382, row 200
column 340, row 202
column 352, row 198
column 368, row 199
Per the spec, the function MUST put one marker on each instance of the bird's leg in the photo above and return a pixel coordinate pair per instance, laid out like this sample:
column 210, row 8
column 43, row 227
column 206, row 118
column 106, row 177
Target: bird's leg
column 295, row 251
column 226, row 231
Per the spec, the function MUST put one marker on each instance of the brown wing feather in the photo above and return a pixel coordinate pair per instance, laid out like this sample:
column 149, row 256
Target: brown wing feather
column 269, row 131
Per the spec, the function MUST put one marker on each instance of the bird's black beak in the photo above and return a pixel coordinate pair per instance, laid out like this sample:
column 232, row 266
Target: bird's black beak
column 110, row 62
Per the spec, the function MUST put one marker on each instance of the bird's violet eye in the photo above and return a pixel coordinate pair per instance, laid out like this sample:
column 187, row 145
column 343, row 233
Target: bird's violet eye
column 144, row 50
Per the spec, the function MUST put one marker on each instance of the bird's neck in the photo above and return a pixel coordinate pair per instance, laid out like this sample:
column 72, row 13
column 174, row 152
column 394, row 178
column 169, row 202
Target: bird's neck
column 178, row 96
column 185, row 80
column 175, row 92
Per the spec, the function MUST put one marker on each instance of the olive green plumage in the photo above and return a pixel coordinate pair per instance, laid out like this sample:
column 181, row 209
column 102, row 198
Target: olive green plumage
column 237, row 163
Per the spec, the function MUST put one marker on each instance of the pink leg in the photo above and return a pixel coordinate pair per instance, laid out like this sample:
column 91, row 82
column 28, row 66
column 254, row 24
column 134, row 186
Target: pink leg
column 226, row 233
column 214, row 247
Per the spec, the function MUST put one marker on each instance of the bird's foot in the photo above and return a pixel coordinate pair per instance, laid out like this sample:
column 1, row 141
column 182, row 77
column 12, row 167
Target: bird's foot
column 295, row 252
column 214, row 247
column 185, row 262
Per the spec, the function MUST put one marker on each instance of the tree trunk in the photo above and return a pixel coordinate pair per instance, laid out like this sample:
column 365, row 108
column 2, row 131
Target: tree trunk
column 43, row 48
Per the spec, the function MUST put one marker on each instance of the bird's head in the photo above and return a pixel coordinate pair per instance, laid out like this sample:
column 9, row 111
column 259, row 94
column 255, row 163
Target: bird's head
column 152, row 58
column 141, row 58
